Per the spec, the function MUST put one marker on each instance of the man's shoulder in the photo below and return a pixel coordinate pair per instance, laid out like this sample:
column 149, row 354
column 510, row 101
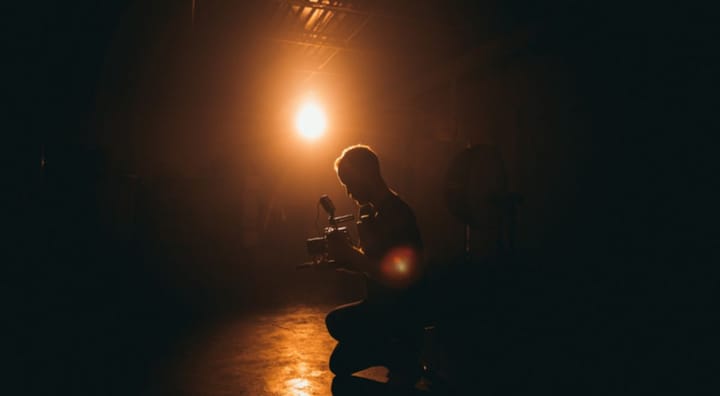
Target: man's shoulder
column 396, row 204
column 397, row 211
column 399, row 220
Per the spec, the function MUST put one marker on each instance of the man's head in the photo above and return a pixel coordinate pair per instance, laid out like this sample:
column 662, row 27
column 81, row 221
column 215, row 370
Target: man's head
column 358, row 169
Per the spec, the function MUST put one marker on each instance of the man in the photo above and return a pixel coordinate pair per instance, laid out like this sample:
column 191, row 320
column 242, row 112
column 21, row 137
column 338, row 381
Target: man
column 383, row 328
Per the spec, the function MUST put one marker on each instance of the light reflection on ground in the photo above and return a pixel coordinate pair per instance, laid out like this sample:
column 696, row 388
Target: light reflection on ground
column 280, row 353
column 295, row 346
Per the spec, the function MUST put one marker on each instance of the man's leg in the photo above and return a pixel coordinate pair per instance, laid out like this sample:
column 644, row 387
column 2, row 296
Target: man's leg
column 349, row 322
column 361, row 340
column 370, row 336
column 349, row 358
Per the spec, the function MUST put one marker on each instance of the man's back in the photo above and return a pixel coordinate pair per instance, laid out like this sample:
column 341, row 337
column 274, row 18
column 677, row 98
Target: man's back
column 390, row 237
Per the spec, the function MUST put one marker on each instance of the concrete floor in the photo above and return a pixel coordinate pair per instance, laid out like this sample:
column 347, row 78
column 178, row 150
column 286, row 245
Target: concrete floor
column 279, row 352
column 275, row 353
column 284, row 350
column 504, row 342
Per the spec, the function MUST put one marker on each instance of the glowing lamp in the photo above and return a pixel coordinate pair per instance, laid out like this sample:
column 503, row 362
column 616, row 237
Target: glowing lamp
column 310, row 121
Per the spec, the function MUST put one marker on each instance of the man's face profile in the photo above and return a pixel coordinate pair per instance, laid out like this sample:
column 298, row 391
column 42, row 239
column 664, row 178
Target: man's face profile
column 356, row 186
column 357, row 193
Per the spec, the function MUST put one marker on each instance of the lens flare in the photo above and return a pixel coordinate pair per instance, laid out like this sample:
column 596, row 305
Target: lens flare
column 400, row 267
column 310, row 121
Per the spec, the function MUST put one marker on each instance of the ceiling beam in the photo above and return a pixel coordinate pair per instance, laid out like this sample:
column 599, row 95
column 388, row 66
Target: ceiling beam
column 315, row 42
column 322, row 6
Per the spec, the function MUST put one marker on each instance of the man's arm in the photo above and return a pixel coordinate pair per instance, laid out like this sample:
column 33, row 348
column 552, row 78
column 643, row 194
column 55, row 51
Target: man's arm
column 351, row 258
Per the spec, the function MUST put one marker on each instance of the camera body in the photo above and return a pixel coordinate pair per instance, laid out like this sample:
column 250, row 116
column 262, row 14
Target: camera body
column 317, row 247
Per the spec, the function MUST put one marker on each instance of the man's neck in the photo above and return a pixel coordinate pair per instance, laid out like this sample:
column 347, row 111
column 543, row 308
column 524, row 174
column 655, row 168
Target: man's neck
column 380, row 195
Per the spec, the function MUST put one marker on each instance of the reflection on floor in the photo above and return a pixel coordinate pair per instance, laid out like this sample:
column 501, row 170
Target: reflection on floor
column 284, row 352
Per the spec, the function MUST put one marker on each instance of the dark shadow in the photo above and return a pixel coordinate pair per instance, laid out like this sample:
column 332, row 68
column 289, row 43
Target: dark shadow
column 356, row 386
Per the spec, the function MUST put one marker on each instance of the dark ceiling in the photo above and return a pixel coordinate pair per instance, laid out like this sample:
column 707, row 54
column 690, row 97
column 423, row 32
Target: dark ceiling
column 140, row 80
column 93, row 59
column 353, row 53
column 83, row 71
column 368, row 50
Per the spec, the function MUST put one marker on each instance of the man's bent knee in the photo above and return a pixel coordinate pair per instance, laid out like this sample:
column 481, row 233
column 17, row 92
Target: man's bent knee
column 331, row 323
column 338, row 366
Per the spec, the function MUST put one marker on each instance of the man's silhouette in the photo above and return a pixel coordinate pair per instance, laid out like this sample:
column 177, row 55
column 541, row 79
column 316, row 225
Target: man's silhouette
column 383, row 329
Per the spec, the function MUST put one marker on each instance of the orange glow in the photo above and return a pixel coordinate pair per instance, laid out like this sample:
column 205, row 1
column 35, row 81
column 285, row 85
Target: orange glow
column 298, row 387
column 311, row 121
column 293, row 347
column 400, row 266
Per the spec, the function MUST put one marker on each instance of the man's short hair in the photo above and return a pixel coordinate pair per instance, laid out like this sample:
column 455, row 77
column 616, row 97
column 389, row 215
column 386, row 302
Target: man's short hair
column 359, row 159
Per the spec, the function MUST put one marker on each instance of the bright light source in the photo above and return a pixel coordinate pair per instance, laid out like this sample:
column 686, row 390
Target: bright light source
column 310, row 121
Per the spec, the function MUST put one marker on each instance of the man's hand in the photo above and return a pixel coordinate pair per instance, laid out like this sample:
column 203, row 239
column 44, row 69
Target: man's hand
column 341, row 249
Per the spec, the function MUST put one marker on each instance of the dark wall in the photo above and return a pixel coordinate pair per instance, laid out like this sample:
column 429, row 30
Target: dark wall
column 598, row 112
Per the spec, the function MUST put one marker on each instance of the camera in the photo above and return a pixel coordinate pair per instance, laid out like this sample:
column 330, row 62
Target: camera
column 317, row 247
